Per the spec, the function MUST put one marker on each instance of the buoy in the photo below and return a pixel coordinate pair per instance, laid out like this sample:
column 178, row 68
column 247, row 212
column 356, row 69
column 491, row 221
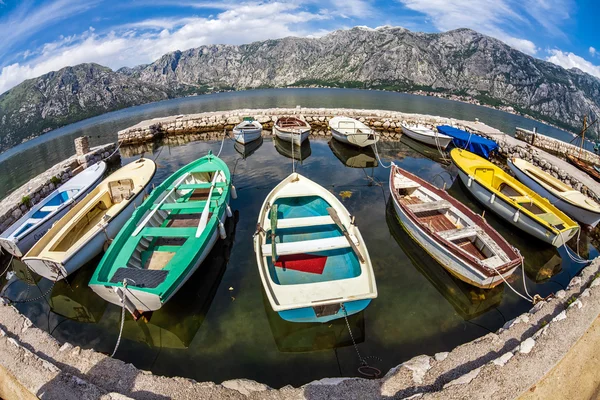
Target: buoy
column 222, row 232
column 228, row 210
column 516, row 216
column 233, row 192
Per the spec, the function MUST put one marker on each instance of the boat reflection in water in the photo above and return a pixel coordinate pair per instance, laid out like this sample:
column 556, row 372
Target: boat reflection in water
column 468, row 301
column 176, row 323
column 301, row 337
column 300, row 153
column 430, row 152
column 246, row 150
column 352, row 156
column 11, row 289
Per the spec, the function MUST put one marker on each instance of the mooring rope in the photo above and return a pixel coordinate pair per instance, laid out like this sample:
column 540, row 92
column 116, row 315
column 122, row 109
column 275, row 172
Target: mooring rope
column 122, row 319
column 8, row 265
column 222, row 141
column 379, row 159
column 364, row 369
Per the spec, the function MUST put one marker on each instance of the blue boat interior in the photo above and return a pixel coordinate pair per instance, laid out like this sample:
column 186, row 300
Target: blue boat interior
column 53, row 203
column 324, row 266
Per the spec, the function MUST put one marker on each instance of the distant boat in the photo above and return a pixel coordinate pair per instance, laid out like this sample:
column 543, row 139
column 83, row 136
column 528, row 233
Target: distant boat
column 24, row 233
column 425, row 135
column 167, row 238
column 246, row 150
column 312, row 260
column 291, row 129
column 457, row 238
column 247, row 131
column 513, row 201
column 563, row 196
column 587, row 168
column 469, row 141
column 82, row 233
column 353, row 157
column 292, row 150
column 352, row 132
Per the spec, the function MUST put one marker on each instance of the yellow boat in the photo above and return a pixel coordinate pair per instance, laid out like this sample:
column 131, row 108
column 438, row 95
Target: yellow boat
column 82, row 233
column 513, row 201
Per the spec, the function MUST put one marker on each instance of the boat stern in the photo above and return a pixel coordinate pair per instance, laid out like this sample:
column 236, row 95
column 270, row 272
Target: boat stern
column 324, row 312
column 11, row 246
column 136, row 301
column 49, row 269
column 564, row 236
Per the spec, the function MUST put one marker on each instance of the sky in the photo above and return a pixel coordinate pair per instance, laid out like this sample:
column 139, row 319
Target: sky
column 38, row 36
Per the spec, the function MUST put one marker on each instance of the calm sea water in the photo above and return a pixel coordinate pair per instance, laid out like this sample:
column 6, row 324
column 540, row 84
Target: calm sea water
column 220, row 325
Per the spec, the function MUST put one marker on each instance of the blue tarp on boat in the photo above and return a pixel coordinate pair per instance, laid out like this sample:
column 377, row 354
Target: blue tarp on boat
column 469, row 141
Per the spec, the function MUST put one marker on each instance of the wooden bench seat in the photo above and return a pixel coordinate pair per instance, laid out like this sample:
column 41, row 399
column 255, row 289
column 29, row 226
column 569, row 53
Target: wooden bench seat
column 303, row 222
column 440, row 205
column 307, row 246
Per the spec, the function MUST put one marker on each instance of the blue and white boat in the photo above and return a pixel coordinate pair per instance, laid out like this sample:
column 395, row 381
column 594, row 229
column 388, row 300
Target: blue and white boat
column 312, row 260
column 469, row 141
column 24, row 233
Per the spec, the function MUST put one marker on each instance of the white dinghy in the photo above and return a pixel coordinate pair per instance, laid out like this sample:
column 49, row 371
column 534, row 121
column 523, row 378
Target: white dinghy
column 353, row 132
column 24, row 233
column 425, row 135
column 247, row 131
column 291, row 129
column 312, row 260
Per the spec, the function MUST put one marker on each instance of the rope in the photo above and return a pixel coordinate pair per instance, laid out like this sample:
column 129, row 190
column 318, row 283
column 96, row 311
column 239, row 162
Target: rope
column 222, row 141
column 364, row 369
column 122, row 320
column 114, row 152
column 379, row 159
column 8, row 265
column 34, row 299
column 523, row 272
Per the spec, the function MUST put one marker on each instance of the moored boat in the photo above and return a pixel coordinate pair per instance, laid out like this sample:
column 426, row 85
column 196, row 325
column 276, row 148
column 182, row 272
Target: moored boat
column 469, row 141
column 571, row 201
column 425, row 135
column 247, row 131
column 353, row 132
column 513, row 201
column 291, row 129
column 588, row 169
column 27, row 230
column 457, row 238
column 167, row 238
column 312, row 260
column 82, row 233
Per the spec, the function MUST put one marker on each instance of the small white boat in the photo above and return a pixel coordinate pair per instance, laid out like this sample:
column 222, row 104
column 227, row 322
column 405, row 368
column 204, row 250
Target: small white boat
column 353, row 132
column 83, row 232
column 457, row 238
column 291, row 129
column 24, row 233
column 312, row 260
column 572, row 202
column 247, row 131
column 425, row 135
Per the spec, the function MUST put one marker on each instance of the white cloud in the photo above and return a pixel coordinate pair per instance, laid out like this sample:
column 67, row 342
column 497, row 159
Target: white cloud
column 569, row 60
column 146, row 41
column 353, row 8
column 592, row 51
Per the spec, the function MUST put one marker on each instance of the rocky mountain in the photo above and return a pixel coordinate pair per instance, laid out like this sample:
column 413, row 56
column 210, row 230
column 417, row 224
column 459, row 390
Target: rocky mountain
column 462, row 61
column 69, row 95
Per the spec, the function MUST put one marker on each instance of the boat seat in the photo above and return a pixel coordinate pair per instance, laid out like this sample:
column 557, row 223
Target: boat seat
column 149, row 278
column 168, row 232
column 493, row 262
column 459, row 233
column 401, row 182
column 439, row 205
column 186, row 205
column 49, row 208
column 307, row 246
column 202, row 185
column 508, row 190
column 120, row 190
column 304, row 222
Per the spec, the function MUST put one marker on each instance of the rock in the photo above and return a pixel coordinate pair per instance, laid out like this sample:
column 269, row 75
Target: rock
column 503, row 359
column 466, row 378
column 245, row 386
column 419, row 366
column 577, row 303
column 561, row 294
column 560, row 317
column 526, row 346
column 441, row 356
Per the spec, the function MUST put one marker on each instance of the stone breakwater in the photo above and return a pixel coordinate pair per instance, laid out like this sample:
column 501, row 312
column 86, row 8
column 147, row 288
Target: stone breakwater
column 22, row 199
column 556, row 146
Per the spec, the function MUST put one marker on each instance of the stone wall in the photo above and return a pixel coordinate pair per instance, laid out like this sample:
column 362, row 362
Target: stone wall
column 556, row 146
column 13, row 206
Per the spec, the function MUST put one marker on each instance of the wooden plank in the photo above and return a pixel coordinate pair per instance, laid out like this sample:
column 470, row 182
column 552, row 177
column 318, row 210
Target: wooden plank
column 187, row 205
column 459, row 233
column 273, row 231
column 430, row 206
column 338, row 221
column 168, row 232
column 307, row 246
column 304, row 222
column 203, row 185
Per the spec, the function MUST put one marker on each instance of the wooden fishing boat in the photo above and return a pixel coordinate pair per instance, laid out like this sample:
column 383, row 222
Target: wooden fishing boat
column 588, row 169
column 291, row 129
column 82, row 233
column 247, row 131
column 457, row 238
column 167, row 238
column 511, row 200
column 570, row 201
column 425, row 135
column 246, row 150
column 352, row 132
column 25, row 232
column 312, row 260
column 292, row 150
column 353, row 157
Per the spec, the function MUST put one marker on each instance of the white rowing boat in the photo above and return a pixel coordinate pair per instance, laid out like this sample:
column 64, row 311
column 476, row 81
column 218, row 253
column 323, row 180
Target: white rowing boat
column 24, row 233
column 353, row 132
column 291, row 129
column 425, row 135
column 82, row 233
column 247, row 131
column 312, row 260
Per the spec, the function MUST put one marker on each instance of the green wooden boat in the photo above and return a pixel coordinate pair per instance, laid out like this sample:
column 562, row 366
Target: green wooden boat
column 167, row 238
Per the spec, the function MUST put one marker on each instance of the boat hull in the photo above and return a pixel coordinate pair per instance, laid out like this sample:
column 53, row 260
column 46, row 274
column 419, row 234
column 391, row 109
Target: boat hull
column 308, row 314
column 246, row 135
column 295, row 137
column 358, row 139
column 582, row 215
column 49, row 269
column 508, row 212
column 440, row 140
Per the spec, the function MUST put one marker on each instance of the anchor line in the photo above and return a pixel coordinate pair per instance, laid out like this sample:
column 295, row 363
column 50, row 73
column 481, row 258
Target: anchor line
column 222, row 141
column 364, row 368
column 122, row 317
column 8, row 265
column 379, row 159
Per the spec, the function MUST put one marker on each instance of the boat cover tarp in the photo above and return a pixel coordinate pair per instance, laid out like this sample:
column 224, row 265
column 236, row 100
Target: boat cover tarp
column 469, row 141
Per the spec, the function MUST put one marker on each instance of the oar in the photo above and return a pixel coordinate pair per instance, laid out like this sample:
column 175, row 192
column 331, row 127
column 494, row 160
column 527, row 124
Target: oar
column 204, row 217
column 273, row 230
column 336, row 218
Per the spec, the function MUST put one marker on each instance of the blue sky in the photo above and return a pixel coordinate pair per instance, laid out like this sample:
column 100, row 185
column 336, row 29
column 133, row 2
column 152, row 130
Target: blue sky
column 43, row 36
